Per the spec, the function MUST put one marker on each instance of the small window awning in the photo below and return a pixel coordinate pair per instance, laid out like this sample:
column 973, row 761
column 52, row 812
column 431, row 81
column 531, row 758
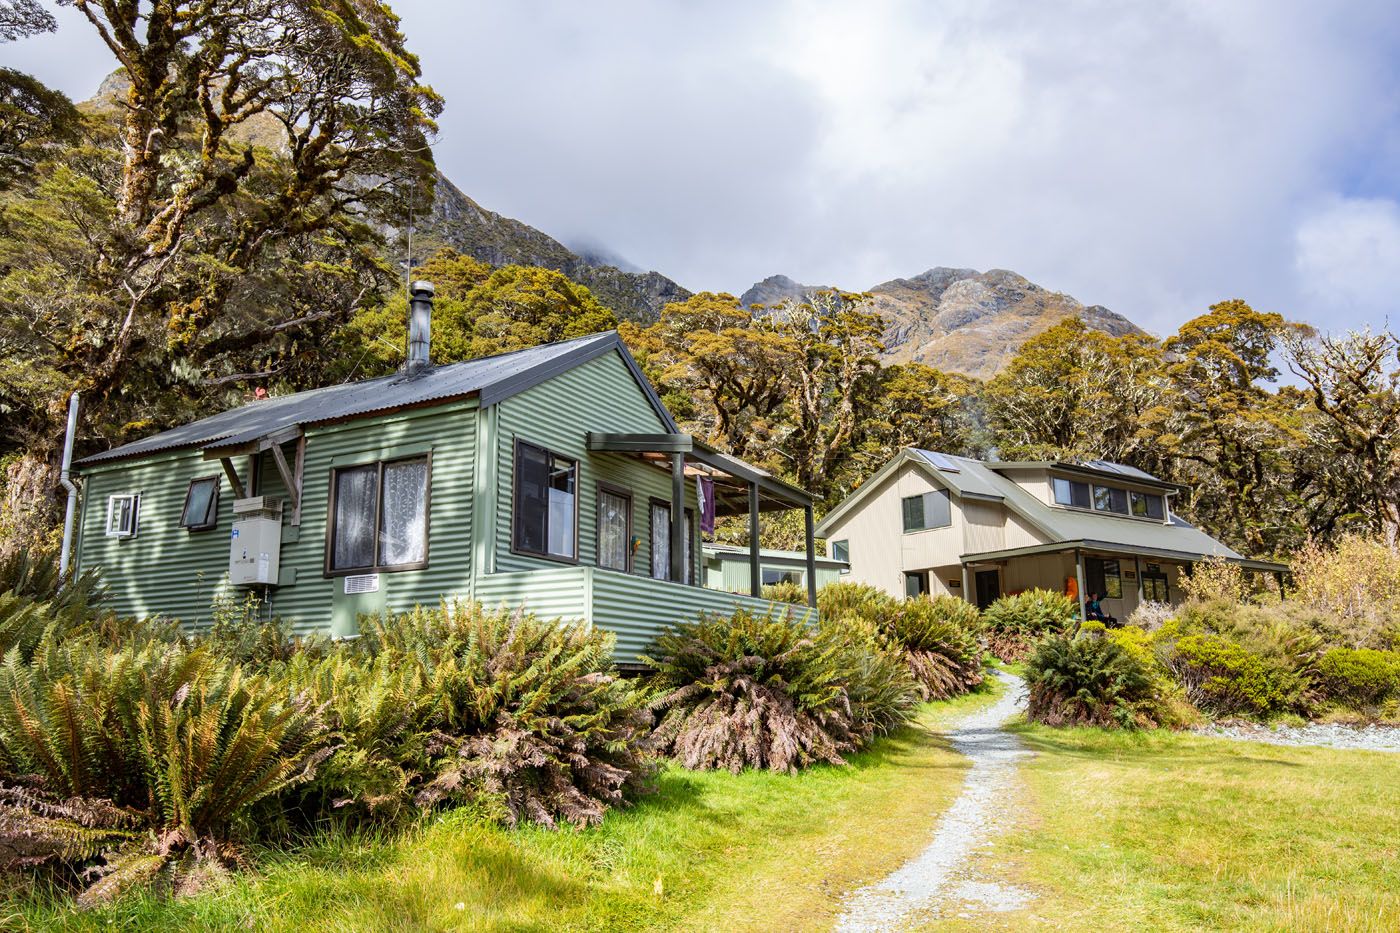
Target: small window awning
column 732, row 477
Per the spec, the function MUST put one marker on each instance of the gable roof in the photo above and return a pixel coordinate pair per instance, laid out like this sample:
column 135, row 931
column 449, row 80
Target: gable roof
column 978, row 479
column 489, row 379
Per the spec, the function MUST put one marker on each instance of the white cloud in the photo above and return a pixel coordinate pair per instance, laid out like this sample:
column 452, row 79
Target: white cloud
column 1153, row 156
column 1348, row 258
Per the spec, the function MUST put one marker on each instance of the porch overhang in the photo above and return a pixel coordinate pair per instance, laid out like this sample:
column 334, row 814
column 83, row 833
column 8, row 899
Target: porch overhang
column 255, row 442
column 1110, row 547
column 739, row 488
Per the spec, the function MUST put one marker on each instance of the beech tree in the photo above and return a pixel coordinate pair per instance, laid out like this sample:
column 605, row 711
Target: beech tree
column 215, row 223
column 1352, row 477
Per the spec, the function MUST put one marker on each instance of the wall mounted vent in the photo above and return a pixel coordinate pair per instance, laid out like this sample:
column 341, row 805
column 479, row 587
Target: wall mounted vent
column 362, row 583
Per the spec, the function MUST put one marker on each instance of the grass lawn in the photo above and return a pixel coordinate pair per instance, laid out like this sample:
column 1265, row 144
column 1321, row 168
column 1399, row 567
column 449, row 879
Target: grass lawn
column 707, row 851
column 1163, row 831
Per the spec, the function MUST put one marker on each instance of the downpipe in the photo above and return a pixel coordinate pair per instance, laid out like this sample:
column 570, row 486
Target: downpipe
column 65, row 480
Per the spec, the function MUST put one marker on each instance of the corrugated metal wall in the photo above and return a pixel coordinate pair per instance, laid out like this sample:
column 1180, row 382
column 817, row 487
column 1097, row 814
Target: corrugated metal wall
column 599, row 396
column 168, row 571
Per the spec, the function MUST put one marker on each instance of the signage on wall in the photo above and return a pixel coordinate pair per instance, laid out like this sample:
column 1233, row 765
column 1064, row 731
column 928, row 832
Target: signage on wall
column 1154, row 568
column 954, row 584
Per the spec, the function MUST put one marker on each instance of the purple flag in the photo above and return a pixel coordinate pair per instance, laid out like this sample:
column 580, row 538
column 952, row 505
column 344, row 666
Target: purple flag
column 705, row 489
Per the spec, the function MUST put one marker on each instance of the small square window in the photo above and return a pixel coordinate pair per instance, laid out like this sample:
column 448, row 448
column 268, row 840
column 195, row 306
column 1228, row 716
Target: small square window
column 1146, row 505
column 122, row 515
column 201, row 511
column 840, row 550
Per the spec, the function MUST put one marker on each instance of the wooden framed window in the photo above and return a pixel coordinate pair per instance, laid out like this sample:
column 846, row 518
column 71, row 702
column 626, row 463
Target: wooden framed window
column 201, row 511
column 379, row 517
column 545, row 520
column 123, row 515
column 1154, row 586
column 929, row 510
column 614, row 528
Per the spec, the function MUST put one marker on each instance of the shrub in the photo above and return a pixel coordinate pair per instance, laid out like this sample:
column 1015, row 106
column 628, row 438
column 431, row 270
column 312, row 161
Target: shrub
column 786, row 592
column 1013, row 622
column 1215, row 580
column 836, row 600
column 937, row 636
column 495, row 707
column 770, row 692
column 1089, row 680
column 184, row 743
column 240, row 633
column 1355, row 586
column 1234, row 659
column 1149, row 616
column 1361, row 676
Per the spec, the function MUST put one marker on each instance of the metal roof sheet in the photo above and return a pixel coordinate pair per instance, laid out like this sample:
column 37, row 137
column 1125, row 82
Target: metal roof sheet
column 490, row 378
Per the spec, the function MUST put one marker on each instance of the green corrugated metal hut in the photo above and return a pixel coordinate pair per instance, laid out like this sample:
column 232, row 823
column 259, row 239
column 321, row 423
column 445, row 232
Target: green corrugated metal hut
column 545, row 478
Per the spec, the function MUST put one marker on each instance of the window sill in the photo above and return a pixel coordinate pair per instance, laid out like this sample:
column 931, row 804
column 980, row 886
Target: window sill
column 397, row 568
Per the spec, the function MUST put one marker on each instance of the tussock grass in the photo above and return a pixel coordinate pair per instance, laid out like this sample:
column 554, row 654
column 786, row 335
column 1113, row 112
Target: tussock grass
column 757, row 850
column 1163, row 831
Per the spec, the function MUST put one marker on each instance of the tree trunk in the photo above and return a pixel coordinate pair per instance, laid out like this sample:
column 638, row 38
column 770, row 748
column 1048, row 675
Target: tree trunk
column 30, row 504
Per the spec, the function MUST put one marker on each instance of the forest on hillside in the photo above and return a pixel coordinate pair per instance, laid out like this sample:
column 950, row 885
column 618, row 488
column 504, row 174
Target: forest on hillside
column 233, row 224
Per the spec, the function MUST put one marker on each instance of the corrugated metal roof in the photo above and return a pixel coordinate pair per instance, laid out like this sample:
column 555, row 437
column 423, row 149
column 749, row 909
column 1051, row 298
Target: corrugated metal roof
column 969, row 478
column 490, row 378
column 981, row 478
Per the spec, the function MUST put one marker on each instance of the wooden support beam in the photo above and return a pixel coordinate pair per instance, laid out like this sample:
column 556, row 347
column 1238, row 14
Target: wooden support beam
column 299, row 475
column 233, row 480
column 811, row 524
column 1079, row 579
column 678, row 517
column 755, row 575
column 289, row 480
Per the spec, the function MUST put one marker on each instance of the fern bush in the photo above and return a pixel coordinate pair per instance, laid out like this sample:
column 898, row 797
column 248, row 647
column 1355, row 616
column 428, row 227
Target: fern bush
column 184, row 743
column 499, row 708
column 1090, row 680
column 769, row 692
column 940, row 645
column 1013, row 623
column 837, row 600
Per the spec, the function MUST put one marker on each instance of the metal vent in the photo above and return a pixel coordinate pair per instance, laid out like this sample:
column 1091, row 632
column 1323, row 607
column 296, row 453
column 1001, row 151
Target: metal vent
column 362, row 583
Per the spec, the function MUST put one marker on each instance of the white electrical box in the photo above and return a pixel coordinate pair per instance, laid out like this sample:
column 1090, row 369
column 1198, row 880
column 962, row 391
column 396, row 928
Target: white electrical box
column 255, row 544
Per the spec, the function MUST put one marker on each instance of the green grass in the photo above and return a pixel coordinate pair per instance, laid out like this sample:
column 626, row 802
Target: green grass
column 1162, row 831
column 707, row 851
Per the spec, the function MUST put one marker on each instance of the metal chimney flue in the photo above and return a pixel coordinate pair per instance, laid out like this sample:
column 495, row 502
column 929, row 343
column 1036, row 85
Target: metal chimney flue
column 420, row 325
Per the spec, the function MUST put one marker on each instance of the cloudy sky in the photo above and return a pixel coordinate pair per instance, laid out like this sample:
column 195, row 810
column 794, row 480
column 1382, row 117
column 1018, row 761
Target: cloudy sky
column 1153, row 157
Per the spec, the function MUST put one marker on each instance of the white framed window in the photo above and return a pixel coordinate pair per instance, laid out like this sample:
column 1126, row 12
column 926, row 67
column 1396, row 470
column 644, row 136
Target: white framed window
column 840, row 550
column 771, row 576
column 122, row 515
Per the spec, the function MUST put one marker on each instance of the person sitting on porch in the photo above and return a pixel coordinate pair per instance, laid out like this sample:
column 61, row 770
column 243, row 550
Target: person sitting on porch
column 1093, row 609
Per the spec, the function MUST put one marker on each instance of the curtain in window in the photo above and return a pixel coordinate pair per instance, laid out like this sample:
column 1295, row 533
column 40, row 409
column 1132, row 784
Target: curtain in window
column 612, row 530
column 661, row 541
column 354, row 517
column 403, row 530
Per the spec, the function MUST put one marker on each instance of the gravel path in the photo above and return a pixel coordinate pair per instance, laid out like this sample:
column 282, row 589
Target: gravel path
column 1364, row 738
column 939, row 877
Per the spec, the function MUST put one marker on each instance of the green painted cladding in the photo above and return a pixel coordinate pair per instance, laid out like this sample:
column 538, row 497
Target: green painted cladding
column 599, row 396
column 168, row 571
column 731, row 574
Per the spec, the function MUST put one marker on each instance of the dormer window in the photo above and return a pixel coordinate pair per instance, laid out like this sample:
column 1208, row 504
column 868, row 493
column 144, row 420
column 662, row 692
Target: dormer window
column 1147, row 505
column 1111, row 499
column 1071, row 492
